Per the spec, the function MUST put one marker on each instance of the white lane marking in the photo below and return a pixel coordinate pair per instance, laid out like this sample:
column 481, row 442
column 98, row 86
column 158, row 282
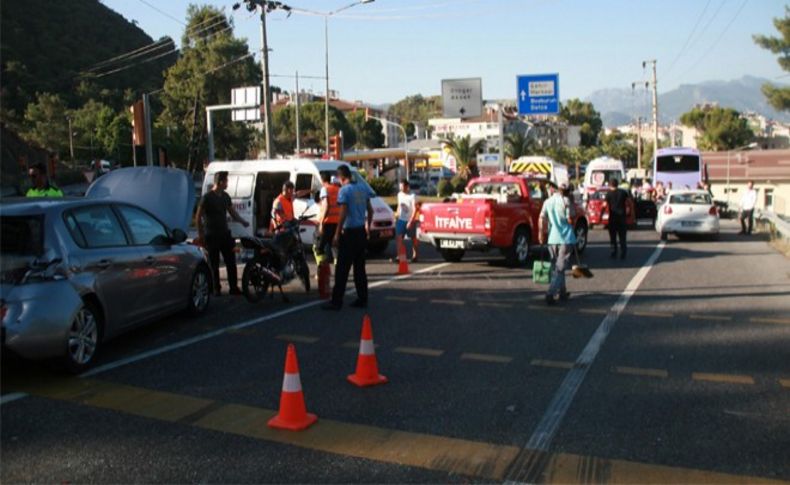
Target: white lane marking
column 11, row 397
column 215, row 333
column 550, row 422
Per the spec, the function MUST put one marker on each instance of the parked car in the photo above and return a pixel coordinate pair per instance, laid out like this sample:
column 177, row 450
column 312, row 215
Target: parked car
column 598, row 212
column 76, row 272
column 688, row 212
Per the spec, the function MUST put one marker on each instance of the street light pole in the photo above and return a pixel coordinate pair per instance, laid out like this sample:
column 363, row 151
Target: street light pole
column 267, row 108
column 326, row 65
column 405, row 139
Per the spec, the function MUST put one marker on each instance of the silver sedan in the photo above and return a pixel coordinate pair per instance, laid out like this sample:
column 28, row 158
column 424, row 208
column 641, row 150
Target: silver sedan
column 76, row 272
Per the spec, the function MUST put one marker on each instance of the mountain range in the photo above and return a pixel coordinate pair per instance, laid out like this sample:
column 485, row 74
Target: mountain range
column 622, row 106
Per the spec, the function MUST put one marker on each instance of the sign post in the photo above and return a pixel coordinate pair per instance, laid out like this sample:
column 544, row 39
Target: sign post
column 462, row 98
column 538, row 94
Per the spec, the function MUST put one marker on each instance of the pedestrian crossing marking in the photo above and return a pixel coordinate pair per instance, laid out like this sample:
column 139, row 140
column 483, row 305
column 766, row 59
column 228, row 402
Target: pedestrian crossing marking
column 419, row 351
column 722, row 318
column 781, row 321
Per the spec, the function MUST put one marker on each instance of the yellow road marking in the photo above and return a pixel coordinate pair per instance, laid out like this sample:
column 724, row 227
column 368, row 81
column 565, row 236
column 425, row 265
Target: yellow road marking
column 694, row 316
column 494, row 304
column 438, row 453
column 303, row 339
column 449, row 302
column 558, row 364
column 419, row 351
column 781, row 321
column 498, row 359
column 640, row 313
column 784, row 382
column 638, row 371
column 401, row 298
column 596, row 311
column 728, row 378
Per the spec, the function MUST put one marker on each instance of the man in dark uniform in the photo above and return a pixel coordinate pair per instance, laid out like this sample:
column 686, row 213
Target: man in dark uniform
column 616, row 203
column 213, row 230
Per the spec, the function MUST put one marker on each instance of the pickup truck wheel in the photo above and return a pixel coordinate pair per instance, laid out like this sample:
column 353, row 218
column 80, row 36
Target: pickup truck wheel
column 518, row 253
column 452, row 255
column 581, row 237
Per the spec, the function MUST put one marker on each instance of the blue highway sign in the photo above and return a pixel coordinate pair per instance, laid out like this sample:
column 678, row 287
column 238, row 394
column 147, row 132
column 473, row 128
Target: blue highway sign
column 538, row 94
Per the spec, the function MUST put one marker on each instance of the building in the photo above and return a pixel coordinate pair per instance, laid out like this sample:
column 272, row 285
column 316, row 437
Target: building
column 768, row 169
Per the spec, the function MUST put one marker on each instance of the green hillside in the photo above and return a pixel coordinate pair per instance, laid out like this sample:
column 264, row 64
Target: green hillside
column 46, row 45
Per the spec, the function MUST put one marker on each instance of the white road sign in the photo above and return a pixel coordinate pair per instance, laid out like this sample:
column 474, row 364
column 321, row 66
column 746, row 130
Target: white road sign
column 462, row 98
column 246, row 96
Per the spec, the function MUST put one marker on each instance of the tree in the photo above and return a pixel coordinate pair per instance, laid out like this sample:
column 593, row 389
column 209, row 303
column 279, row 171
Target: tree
column 620, row 146
column 46, row 123
column 94, row 133
column 212, row 63
column 369, row 131
column 579, row 113
column 518, row 144
column 720, row 128
column 778, row 97
column 416, row 110
column 465, row 153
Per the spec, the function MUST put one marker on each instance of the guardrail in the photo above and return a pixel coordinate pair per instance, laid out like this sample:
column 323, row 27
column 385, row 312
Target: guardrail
column 777, row 227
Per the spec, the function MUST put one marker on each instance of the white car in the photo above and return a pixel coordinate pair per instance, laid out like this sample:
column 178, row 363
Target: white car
column 688, row 212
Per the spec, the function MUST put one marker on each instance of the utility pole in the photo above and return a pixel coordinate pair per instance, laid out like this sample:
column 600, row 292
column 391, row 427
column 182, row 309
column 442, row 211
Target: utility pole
column 267, row 108
column 654, row 85
column 71, row 141
column 638, row 142
column 149, row 147
column 298, row 141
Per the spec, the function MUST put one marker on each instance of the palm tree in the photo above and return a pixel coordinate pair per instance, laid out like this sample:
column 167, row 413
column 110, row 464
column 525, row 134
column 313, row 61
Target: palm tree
column 517, row 144
column 465, row 153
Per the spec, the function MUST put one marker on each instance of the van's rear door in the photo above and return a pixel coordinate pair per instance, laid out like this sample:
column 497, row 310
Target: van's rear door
column 240, row 190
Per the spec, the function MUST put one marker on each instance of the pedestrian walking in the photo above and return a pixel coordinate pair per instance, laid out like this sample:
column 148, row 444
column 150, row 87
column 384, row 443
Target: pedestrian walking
column 328, row 218
column 406, row 220
column 213, row 230
column 557, row 213
column 41, row 185
column 748, row 201
column 356, row 215
column 616, row 200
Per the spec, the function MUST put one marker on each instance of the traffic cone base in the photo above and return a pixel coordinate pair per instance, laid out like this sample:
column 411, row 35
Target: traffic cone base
column 367, row 381
column 278, row 422
column 293, row 415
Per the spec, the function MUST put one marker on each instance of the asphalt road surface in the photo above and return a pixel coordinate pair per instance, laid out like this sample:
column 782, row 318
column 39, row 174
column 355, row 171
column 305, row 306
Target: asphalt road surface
column 671, row 366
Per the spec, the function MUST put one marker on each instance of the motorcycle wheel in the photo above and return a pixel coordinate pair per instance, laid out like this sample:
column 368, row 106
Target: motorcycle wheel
column 254, row 284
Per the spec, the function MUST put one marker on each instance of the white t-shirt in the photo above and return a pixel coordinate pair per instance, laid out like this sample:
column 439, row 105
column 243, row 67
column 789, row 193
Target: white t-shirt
column 406, row 205
column 749, row 200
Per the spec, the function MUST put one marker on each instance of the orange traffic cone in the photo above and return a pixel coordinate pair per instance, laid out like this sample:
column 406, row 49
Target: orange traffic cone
column 367, row 369
column 292, row 416
column 324, row 280
column 403, row 263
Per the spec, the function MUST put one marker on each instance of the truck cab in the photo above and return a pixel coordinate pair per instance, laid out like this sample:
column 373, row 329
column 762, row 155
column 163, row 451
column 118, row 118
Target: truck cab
column 496, row 212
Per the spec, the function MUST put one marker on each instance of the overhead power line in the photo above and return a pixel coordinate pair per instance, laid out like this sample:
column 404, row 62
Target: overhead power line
column 688, row 39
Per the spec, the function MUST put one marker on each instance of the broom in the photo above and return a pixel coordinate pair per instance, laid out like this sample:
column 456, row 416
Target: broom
column 580, row 270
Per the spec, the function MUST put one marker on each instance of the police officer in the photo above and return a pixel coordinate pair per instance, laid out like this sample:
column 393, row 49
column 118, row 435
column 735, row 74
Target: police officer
column 356, row 215
column 41, row 186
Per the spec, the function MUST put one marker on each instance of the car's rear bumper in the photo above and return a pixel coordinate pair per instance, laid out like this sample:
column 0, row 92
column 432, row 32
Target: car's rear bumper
column 708, row 225
column 38, row 318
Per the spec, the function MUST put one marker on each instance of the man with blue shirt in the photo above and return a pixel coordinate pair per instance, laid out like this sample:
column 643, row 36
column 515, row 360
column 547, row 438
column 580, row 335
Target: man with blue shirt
column 351, row 238
column 558, row 212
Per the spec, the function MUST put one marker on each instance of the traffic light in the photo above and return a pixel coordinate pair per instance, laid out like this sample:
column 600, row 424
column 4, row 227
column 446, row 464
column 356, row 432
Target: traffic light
column 336, row 147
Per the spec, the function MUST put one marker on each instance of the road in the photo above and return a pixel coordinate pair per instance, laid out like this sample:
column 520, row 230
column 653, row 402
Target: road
column 670, row 366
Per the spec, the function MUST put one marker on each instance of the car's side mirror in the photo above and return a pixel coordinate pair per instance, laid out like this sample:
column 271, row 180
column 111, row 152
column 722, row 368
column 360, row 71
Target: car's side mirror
column 179, row 236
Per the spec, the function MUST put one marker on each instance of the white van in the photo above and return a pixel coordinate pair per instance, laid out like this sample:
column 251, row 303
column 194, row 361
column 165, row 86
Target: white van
column 254, row 184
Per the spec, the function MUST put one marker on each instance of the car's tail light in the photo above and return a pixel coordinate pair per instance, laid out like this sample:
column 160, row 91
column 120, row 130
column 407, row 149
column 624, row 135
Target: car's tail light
column 668, row 209
column 713, row 210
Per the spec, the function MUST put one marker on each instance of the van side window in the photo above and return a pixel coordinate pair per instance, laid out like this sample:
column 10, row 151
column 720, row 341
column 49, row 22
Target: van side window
column 304, row 184
column 240, row 186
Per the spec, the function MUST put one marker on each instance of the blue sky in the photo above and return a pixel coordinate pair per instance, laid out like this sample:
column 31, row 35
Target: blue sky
column 383, row 51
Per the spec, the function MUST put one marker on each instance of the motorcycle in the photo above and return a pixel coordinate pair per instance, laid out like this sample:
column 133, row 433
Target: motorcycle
column 276, row 261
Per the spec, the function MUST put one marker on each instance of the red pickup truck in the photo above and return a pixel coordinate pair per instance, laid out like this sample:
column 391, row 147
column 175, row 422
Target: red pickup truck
column 499, row 211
